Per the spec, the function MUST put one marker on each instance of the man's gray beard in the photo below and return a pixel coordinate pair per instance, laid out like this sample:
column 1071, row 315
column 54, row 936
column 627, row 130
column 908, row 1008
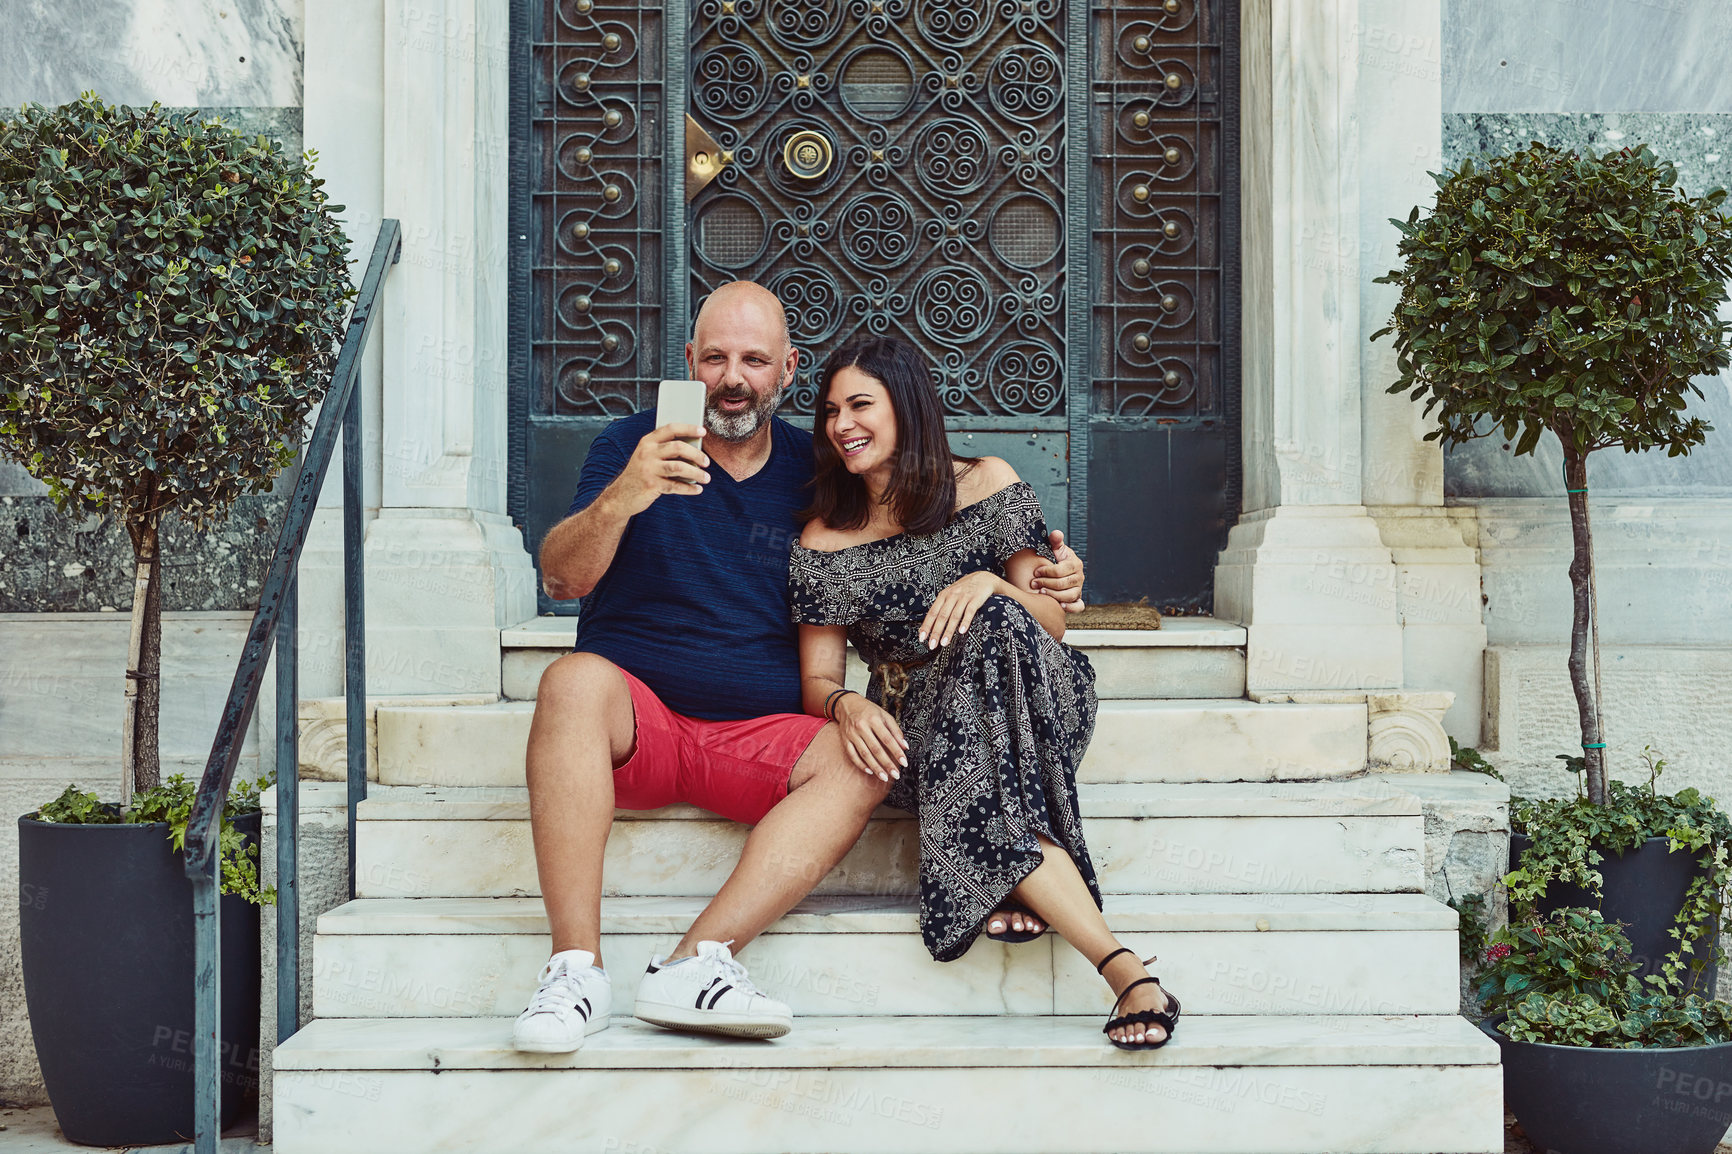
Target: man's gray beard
column 736, row 427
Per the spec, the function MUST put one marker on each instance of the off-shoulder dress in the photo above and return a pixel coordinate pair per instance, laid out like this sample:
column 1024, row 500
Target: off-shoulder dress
column 997, row 722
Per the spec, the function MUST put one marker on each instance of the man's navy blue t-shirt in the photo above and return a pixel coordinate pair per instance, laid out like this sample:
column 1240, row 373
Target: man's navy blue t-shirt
column 695, row 603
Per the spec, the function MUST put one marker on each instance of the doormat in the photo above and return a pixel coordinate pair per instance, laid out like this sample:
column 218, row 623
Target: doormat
column 1128, row 615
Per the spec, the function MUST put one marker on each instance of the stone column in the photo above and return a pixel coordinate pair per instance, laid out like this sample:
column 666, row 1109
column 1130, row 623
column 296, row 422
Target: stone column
column 1345, row 567
column 1437, row 588
column 446, row 569
column 1305, row 569
column 343, row 120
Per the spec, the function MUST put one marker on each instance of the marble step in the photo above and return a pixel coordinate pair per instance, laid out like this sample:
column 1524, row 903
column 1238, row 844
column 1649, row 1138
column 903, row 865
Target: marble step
column 1364, row 835
column 1222, row 954
column 914, row 1085
column 1134, row 741
column 1186, row 657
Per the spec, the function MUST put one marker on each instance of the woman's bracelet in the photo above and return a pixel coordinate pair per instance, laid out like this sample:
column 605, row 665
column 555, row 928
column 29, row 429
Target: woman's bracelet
column 835, row 694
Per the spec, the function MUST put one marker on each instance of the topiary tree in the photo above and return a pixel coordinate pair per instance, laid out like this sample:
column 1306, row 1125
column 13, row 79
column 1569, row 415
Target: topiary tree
column 1575, row 293
column 171, row 294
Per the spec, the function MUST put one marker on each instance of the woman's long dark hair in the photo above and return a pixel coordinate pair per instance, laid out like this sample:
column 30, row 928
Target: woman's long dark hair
column 922, row 489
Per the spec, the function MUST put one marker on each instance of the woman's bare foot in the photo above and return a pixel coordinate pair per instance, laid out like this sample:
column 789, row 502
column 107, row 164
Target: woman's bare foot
column 1020, row 921
column 1121, row 972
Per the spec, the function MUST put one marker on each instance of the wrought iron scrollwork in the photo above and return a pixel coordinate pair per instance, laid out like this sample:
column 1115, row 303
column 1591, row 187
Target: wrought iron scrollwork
column 594, row 334
column 939, row 215
column 1157, row 245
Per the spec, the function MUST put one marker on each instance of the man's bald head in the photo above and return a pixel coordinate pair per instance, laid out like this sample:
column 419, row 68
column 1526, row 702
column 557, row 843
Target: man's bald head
column 743, row 300
column 740, row 349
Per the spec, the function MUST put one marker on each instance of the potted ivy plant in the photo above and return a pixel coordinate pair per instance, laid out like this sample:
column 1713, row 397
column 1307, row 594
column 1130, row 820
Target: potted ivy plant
column 171, row 295
column 1577, row 294
column 1658, row 863
column 105, row 891
column 1597, row 1057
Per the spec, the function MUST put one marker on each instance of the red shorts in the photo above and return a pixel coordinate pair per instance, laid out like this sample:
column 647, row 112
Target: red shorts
column 737, row 769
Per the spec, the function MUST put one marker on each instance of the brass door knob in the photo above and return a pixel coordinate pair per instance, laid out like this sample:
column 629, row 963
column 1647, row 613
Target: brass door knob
column 808, row 154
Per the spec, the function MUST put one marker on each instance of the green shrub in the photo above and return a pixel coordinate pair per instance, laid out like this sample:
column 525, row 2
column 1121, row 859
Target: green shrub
column 1575, row 293
column 171, row 295
column 1568, row 980
column 171, row 802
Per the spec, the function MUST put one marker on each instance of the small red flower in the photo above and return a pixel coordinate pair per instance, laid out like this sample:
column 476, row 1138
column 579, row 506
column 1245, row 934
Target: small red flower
column 1497, row 953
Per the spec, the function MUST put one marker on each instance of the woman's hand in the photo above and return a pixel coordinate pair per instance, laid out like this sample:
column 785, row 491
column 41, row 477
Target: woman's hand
column 956, row 606
column 871, row 737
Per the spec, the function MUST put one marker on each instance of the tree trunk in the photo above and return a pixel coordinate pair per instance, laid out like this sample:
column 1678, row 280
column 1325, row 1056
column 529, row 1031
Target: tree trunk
column 141, row 758
column 1593, row 749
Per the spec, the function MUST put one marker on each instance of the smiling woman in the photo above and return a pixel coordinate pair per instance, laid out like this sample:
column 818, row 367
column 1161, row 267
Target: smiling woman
column 978, row 713
column 881, row 421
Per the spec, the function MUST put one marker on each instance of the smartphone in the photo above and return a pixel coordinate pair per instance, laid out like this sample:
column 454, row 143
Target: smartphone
column 681, row 403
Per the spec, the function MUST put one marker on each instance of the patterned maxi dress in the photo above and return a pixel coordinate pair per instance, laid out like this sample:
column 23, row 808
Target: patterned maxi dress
column 997, row 722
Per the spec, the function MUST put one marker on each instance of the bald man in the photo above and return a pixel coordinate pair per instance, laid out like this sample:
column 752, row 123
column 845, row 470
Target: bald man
column 684, row 686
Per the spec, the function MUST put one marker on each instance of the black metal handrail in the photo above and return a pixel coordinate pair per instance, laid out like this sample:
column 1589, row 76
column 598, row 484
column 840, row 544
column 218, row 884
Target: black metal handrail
column 275, row 620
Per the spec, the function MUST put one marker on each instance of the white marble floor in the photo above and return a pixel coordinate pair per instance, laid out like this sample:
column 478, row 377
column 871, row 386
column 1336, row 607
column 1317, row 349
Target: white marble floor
column 32, row 1130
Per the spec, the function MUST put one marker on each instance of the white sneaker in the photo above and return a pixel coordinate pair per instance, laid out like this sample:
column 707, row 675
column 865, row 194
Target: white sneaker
column 572, row 1001
column 710, row 994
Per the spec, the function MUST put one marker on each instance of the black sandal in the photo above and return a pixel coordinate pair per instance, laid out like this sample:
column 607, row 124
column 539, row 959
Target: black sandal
column 1167, row 1019
column 1014, row 937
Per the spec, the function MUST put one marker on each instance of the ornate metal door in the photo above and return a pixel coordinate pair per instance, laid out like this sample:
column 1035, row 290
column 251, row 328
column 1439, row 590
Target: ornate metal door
column 899, row 166
column 916, row 167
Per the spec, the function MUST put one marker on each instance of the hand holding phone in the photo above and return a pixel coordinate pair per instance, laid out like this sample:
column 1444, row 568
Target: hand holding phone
column 664, row 463
column 682, row 403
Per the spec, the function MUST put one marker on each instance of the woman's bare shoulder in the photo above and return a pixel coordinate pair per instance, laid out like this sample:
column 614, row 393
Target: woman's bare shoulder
column 818, row 536
column 987, row 476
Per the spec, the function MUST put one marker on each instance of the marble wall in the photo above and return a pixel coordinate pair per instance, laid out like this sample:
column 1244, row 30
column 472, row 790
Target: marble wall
column 209, row 53
column 1594, row 74
column 237, row 61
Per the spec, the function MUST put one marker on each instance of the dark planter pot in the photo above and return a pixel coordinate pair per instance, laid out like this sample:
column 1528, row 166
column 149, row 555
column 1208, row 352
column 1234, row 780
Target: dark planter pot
column 106, row 924
column 1644, row 888
column 1574, row 1100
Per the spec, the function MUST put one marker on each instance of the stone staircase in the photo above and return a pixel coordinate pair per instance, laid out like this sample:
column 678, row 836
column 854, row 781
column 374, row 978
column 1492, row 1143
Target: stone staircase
column 1281, row 884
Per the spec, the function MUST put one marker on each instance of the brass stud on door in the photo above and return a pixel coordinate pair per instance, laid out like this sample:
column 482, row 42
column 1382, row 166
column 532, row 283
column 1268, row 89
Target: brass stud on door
column 808, row 154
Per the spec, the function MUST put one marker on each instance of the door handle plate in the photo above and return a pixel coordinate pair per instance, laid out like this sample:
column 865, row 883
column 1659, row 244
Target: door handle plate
column 705, row 159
